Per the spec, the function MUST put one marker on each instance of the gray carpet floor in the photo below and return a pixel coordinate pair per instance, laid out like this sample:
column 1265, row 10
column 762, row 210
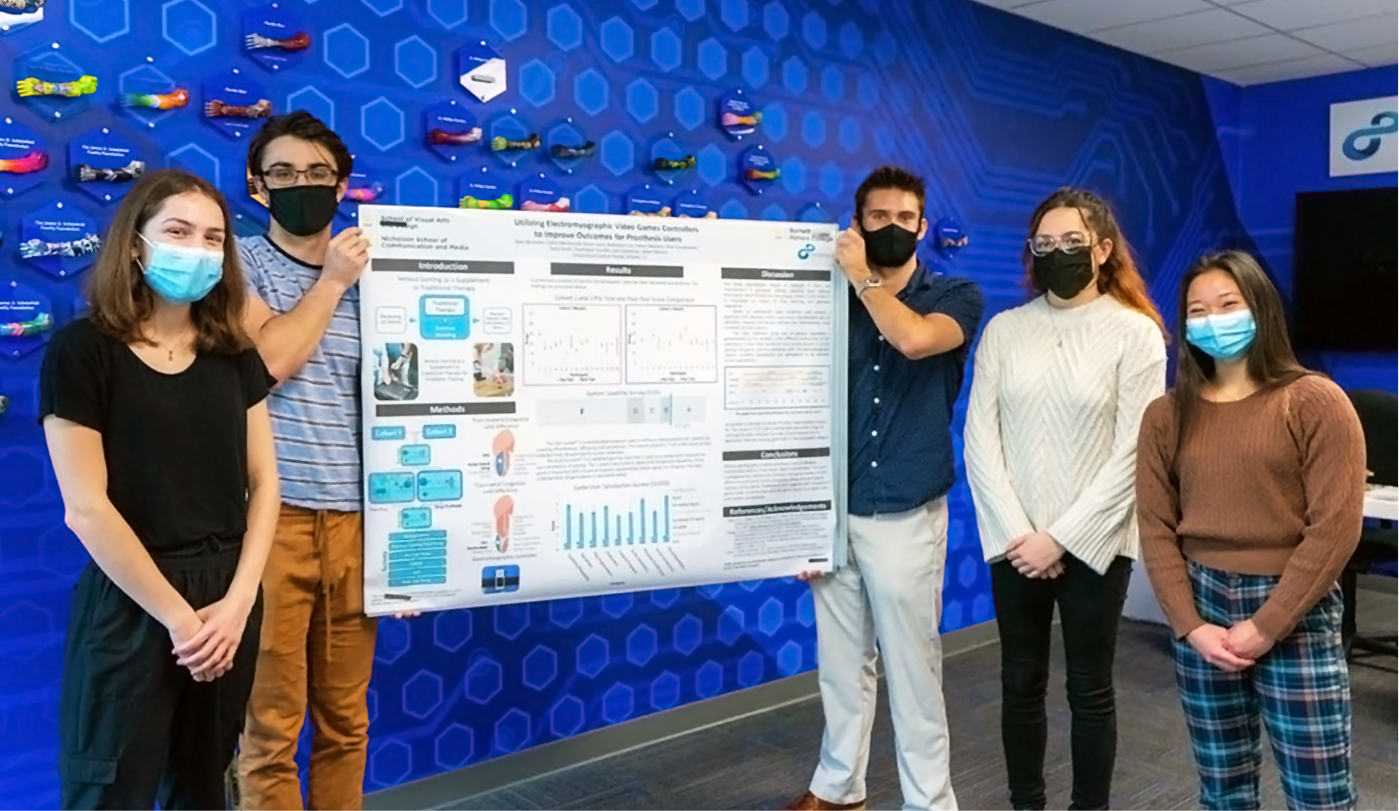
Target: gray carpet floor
column 765, row 760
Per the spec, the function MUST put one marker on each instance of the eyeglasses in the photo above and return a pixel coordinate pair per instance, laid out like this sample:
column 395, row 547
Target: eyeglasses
column 1072, row 242
column 318, row 175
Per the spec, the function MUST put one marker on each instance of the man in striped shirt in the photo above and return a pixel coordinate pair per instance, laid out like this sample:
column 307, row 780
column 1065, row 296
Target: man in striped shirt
column 317, row 646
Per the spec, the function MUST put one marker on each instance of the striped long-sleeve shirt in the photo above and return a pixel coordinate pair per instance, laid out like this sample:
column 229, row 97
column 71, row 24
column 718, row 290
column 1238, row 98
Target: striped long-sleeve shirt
column 315, row 412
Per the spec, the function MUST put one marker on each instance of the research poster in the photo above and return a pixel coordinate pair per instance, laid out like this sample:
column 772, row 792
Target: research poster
column 570, row 405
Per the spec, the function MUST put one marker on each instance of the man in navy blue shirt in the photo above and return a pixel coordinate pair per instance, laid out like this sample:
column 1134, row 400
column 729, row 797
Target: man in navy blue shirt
column 909, row 333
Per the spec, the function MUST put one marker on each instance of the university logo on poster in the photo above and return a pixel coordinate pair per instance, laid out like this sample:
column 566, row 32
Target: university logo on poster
column 1365, row 136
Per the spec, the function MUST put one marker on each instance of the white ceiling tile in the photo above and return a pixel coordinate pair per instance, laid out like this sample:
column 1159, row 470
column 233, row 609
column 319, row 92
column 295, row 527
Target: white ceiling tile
column 1291, row 69
column 1201, row 28
column 1239, row 53
column 1375, row 57
column 1286, row 15
column 1082, row 16
column 1345, row 36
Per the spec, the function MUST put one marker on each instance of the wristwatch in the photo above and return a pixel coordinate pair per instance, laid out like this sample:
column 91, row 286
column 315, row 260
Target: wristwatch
column 866, row 283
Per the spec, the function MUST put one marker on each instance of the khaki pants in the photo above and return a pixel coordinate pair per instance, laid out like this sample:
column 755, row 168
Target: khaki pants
column 317, row 651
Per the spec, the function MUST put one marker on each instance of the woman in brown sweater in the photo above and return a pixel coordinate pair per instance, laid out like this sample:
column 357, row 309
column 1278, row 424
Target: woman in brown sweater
column 1250, row 486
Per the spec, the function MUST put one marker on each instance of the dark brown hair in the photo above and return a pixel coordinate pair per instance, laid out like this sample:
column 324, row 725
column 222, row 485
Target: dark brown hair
column 120, row 300
column 890, row 177
column 1271, row 362
column 1118, row 275
column 299, row 124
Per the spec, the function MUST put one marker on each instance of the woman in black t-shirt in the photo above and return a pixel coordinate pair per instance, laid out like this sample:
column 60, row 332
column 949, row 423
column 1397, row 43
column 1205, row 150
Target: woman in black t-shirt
column 153, row 407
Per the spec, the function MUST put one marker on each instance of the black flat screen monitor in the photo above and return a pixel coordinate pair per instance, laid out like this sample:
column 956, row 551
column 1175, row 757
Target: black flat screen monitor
column 1344, row 251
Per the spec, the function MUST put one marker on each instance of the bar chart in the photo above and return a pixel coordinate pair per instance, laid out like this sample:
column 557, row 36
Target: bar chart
column 639, row 521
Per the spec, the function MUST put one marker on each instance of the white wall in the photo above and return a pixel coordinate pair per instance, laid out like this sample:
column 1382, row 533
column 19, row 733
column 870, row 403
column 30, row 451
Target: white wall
column 1141, row 602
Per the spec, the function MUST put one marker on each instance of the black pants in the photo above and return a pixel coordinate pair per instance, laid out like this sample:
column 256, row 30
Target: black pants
column 1090, row 606
column 135, row 727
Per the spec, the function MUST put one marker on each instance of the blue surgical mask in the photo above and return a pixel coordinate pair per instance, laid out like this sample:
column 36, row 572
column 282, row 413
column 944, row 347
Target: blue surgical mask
column 182, row 275
column 1224, row 336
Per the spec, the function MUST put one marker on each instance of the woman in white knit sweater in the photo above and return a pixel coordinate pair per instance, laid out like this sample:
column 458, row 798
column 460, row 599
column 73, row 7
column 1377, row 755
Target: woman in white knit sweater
column 1058, row 392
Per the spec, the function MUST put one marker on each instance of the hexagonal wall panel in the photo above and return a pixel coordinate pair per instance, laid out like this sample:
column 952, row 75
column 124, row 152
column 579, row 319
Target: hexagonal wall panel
column 755, row 67
column 592, row 656
column 641, row 645
column 395, row 638
column 852, row 41
column 832, row 180
column 536, row 83
column 590, row 92
column 592, row 200
column 415, row 62
column 687, row 634
column 813, row 129
column 189, row 25
column 511, row 620
column 867, row 91
column 776, row 21
column 345, row 50
column 539, row 668
column 789, row 658
column 643, row 102
column 617, row 605
column 415, row 187
column 564, row 27
column 850, row 134
column 451, row 629
column 454, row 746
column 832, row 83
column 448, row 13
column 391, row 763
column 422, row 694
column 733, row 210
column 196, row 159
column 665, row 691
column 512, row 731
column 689, row 108
column 618, row 703
column 709, row 680
column 313, row 101
column 713, row 59
column 734, row 13
column 806, row 605
column 774, row 212
column 691, row 10
column 770, row 616
column 713, row 165
column 52, row 65
column 483, row 680
column 665, row 49
column 25, row 474
column 886, row 48
column 618, row 39
column 794, row 75
column 731, row 625
column 381, row 124
column 814, row 30
column 61, row 554
column 564, row 613
column 751, row 668
column 101, row 20
column 509, row 18
column 383, row 8
column 566, row 717
column 664, row 598
column 794, row 181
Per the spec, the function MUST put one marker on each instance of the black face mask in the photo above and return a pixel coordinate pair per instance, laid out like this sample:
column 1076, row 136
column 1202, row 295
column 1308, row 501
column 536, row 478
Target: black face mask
column 303, row 210
column 1064, row 274
column 890, row 246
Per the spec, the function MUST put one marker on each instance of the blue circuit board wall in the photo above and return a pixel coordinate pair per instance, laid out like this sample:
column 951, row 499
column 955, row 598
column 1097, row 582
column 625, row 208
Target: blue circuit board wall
column 996, row 112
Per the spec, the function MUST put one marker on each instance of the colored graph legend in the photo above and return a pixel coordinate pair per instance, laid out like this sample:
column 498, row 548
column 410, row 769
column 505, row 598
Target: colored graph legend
column 644, row 522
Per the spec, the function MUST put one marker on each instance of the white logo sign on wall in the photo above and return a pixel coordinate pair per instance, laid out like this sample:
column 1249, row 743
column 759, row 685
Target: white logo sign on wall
column 1365, row 136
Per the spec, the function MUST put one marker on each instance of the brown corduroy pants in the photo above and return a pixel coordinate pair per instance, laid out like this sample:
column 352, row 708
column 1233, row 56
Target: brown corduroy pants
column 317, row 652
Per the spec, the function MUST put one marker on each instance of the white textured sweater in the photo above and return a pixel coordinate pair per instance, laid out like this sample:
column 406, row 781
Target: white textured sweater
column 1051, row 438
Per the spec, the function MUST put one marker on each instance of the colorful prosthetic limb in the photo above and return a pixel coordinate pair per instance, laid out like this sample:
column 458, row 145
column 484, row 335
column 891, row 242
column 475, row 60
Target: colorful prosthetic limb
column 121, row 174
column 471, row 136
column 32, row 162
column 669, row 165
column 42, row 322
column 564, row 152
column 157, row 101
column 558, row 206
column 500, row 203
column 21, row 6
column 365, row 194
column 759, row 174
column 257, row 42
column 502, row 144
column 664, row 212
column 735, row 120
column 36, row 248
column 69, row 89
column 219, row 109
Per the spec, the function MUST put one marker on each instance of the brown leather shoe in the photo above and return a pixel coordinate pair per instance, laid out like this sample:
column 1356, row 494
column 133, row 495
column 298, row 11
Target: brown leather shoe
column 810, row 802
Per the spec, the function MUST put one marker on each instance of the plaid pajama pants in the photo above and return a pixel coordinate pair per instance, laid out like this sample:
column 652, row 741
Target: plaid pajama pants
column 1300, row 690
